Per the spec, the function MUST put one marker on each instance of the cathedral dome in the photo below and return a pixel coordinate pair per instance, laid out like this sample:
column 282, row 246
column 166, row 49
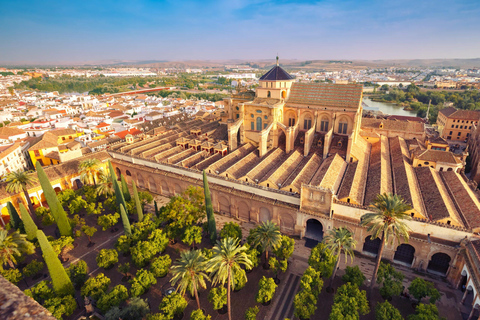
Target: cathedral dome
column 277, row 74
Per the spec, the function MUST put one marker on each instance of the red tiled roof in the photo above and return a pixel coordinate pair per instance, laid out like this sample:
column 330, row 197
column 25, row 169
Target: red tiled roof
column 406, row 118
column 326, row 94
column 123, row 134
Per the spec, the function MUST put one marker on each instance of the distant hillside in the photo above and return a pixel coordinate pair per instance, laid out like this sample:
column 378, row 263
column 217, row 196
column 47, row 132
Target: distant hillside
column 291, row 64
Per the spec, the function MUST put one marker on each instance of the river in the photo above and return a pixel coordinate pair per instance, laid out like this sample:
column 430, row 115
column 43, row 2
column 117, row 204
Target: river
column 387, row 108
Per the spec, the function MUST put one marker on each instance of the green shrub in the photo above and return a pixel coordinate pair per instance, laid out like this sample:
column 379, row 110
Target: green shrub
column 390, row 280
column 159, row 240
column 218, row 297
column 198, row 315
column 285, row 250
column 251, row 313
column 305, row 304
column 142, row 253
column 311, row 281
column 106, row 258
column 112, row 298
column 143, row 280
column 266, row 290
column 354, row 275
column 45, row 215
column 41, row 291
column 78, row 273
column 231, row 230
column 160, row 266
column 239, row 279
column 173, row 305
column 420, row 288
column 62, row 244
column 12, row 275
column 96, row 286
column 61, row 306
column 137, row 308
column 33, row 268
column 123, row 244
column 107, row 221
column 385, row 311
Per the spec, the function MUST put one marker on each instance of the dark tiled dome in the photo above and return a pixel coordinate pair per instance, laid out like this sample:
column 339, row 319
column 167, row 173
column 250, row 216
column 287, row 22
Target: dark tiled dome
column 276, row 74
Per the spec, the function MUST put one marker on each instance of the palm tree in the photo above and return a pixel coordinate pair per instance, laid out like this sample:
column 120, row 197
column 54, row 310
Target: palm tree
column 89, row 169
column 189, row 273
column 338, row 240
column 105, row 185
column 19, row 181
column 12, row 246
column 385, row 222
column 227, row 257
column 267, row 236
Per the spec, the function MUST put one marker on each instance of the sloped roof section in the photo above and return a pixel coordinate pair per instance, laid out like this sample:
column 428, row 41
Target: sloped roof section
column 277, row 73
column 326, row 94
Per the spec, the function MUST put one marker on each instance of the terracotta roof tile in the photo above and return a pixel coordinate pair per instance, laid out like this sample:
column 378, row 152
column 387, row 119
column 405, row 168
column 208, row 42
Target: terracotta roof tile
column 326, row 94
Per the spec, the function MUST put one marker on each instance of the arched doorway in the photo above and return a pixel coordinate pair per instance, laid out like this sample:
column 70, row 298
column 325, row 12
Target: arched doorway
column 439, row 263
column 371, row 246
column 404, row 254
column 264, row 215
column 34, row 201
column 314, row 230
column 177, row 190
column 224, row 205
column 77, row 184
column 152, row 184
column 119, row 173
column 57, row 190
column 243, row 211
column 128, row 176
column 287, row 223
column 164, row 187
column 141, row 182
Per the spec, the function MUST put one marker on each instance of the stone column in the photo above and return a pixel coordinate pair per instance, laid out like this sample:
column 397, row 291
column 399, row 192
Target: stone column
column 289, row 141
column 464, row 295
column 262, row 146
column 232, row 139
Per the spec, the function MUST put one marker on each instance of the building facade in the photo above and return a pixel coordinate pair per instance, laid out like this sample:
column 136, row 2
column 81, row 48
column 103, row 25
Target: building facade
column 456, row 124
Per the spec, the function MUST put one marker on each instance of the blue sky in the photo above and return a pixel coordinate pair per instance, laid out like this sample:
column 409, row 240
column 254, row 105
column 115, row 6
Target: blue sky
column 82, row 31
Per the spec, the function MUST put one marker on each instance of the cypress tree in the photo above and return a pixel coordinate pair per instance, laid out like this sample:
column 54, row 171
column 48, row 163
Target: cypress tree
column 126, row 193
column 30, row 226
column 212, row 227
column 126, row 223
column 113, row 176
column 137, row 202
column 56, row 208
column 15, row 220
column 156, row 208
column 60, row 280
column 119, row 198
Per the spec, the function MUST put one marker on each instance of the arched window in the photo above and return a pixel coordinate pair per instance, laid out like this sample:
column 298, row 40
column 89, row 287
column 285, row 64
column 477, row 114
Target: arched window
column 269, row 94
column 307, row 122
column 259, row 124
column 342, row 127
column 284, row 94
column 324, row 124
